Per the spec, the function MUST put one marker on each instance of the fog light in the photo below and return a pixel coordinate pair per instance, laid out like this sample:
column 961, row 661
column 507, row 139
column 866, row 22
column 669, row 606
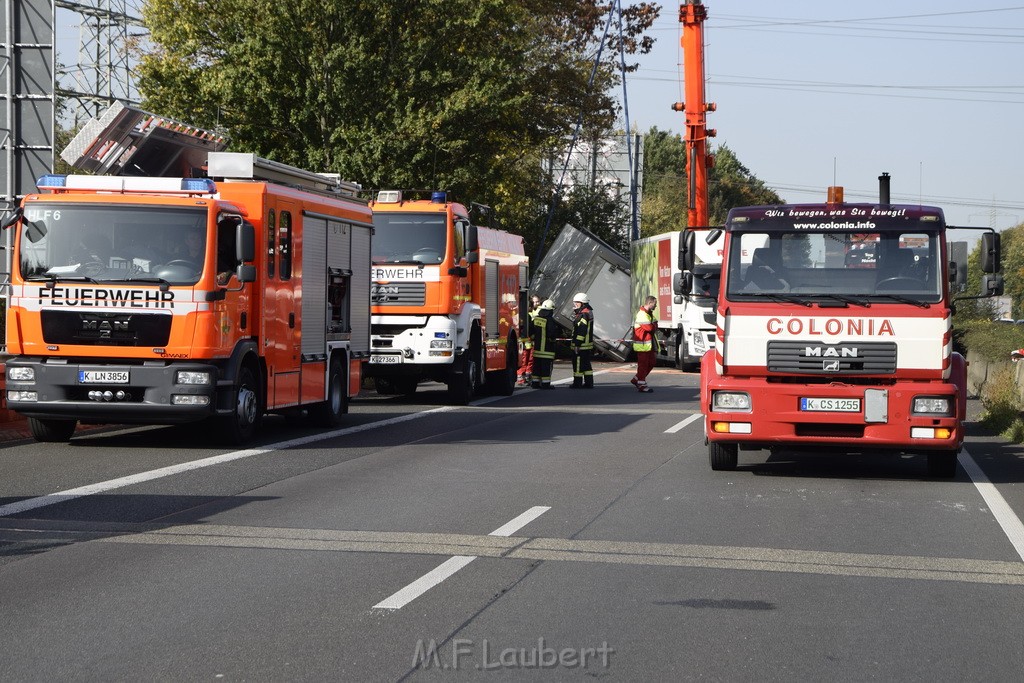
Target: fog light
column 189, row 400
column 191, row 377
column 22, row 396
column 21, row 374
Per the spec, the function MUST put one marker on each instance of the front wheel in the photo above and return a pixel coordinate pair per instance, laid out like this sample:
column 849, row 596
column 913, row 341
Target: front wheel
column 240, row 426
column 723, row 456
column 463, row 382
column 51, row 431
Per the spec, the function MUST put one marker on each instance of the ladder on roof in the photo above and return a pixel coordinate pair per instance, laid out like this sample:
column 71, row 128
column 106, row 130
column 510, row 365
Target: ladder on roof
column 126, row 140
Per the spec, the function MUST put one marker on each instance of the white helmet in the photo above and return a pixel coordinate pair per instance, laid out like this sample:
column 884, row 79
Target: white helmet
column 581, row 297
column 548, row 305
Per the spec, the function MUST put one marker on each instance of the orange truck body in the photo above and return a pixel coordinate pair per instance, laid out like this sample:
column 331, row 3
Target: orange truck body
column 137, row 331
column 445, row 298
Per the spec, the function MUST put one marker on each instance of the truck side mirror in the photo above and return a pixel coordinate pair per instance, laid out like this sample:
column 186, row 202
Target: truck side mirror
column 12, row 219
column 245, row 243
column 687, row 248
column 952, row 273
column 246, row 273
column 990, row 256
column 992, row 285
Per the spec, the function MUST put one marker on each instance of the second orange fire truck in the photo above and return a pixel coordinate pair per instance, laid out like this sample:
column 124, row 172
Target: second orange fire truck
column 445, row 298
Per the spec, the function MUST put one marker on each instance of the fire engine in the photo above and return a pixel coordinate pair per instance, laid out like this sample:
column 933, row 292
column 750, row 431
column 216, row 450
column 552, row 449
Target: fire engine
column 163, row 300
column 815, row 351
column 445, row 298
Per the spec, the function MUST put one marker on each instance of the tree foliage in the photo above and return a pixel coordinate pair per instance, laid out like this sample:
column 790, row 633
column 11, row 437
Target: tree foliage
column 730, row 184
column 464, row 95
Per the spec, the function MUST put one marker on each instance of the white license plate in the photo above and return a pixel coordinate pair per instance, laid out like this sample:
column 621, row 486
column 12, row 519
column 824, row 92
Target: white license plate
column 103, row 377
column 386, row 358
column 831, row 405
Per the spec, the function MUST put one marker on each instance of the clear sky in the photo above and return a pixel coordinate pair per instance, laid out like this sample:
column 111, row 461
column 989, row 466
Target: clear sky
column 812, row 93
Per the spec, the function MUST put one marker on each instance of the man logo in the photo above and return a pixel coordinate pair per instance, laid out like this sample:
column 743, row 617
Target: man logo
column 830, row 366
column 831, row 351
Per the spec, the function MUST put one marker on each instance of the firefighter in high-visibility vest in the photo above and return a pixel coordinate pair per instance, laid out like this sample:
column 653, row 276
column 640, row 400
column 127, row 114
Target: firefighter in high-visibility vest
column 526, row 355
column 582, row 342
column 545, row 332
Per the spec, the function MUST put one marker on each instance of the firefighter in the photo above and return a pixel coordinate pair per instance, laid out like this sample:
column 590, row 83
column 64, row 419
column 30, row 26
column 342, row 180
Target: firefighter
column 582, row 342
column 544, row 335
column 645, row 344
column 526, row 356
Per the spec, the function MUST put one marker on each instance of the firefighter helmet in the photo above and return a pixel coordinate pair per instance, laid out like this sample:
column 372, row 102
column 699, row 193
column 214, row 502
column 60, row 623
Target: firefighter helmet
column 582, row 298
column 548, row 305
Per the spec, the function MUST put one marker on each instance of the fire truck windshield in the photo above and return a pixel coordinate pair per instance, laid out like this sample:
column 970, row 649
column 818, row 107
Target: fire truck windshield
column 883, row 266
column 108, row 243
column 409, row 237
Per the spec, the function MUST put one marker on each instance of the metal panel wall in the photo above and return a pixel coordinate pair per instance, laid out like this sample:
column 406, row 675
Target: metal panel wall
column 491, row 299
column 314, row 286
column 26, row 120
column 361, row 238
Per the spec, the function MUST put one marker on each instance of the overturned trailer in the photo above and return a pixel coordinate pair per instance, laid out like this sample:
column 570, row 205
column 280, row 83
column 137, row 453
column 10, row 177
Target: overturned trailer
column 579, row 261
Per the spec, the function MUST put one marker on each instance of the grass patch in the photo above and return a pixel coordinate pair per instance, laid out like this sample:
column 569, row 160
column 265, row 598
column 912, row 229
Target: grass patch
column 1001, row 401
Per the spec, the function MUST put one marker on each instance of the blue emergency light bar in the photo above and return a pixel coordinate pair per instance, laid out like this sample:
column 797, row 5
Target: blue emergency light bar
column 55, row 181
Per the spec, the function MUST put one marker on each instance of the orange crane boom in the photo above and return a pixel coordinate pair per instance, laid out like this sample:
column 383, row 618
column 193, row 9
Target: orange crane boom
column 692, row 15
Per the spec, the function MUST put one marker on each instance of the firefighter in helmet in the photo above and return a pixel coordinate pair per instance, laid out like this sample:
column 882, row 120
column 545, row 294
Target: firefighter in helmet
column 582, row 342
column 544, row 333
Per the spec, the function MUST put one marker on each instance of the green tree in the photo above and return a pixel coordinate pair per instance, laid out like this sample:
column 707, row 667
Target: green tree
column 665, row 199
column 463, row 95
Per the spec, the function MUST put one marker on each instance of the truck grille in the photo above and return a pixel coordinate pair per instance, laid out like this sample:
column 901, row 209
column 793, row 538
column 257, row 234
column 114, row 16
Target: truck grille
column 105, row 329
column 846, row 358
column 398, row 294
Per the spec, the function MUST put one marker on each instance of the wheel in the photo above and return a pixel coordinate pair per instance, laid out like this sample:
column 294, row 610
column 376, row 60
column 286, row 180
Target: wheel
column 331, row 412
column 503, row 382
column 241, row 425
column 465, row 378
column 384, row 386
column 942, row 464
column 723, row 456
column 52, row 431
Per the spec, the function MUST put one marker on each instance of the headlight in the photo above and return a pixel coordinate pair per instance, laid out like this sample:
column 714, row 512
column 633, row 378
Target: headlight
column 191, row 377
column 441, row 343
column 933, row 405
column 731, row 400
column 21, row 374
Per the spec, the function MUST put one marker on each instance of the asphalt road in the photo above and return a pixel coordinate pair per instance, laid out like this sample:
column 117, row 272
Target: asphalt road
column 552, row 534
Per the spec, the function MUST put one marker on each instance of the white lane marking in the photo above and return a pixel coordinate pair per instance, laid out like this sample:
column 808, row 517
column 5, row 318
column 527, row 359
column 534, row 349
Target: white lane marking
column 447, row 568
column 425, row 583
column 519, row 522
column 110, row 485
column 1001, row 510
column 681, row 425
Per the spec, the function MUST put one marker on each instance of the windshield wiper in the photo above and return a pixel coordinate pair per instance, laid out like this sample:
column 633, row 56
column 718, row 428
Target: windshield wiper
column 858, row 301
column 788, row 298
column 904, row 300
column 164, row 284
column 52, row 278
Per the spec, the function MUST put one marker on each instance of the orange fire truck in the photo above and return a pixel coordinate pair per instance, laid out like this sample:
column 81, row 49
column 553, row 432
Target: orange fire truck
column 813, row 352
column 170, row 300
column 445, row 298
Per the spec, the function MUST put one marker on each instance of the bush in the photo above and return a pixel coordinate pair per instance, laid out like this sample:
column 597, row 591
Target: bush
column 1001, row 400
column 992, row 340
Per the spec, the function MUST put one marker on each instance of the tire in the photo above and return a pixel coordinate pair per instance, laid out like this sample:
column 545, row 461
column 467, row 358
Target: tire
column 331, row 412
column 723, row 456
column 942, row 464
column 52, row 431
column 241, row 425
column 464, row 380
column 503, row 382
